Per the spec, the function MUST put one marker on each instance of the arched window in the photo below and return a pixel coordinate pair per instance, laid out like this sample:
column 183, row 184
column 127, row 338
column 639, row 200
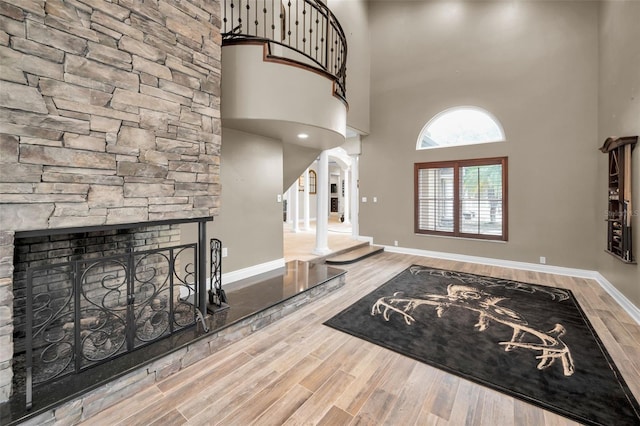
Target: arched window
column 312, row 182
column 460, row 126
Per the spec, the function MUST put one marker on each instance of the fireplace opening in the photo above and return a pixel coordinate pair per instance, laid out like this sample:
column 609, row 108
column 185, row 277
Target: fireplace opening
column 90, row 305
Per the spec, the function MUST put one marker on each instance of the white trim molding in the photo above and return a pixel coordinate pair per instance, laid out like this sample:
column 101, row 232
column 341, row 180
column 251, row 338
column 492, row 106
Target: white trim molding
column 367, row 239
column 620, row 298
column 250, row 271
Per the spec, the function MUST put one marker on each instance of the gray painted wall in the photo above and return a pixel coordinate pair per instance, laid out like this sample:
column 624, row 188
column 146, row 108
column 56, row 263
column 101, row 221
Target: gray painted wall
column 250, row 219
column 534, row 65
column 619, row 115
column 296, row 160
column 537, row 67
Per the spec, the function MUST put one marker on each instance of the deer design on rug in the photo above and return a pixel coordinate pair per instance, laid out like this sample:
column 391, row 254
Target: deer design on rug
column 487, row 306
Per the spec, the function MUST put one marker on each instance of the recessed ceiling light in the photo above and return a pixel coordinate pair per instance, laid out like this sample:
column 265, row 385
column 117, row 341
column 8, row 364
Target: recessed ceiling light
column 302, row 136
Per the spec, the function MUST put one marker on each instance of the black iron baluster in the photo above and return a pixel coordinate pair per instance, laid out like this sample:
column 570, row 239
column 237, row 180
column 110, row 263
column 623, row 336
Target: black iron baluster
column 264, row 19
column 282, row 20
column 317, row 44
column 224, row 17
column 331, row 58
column 329, row 44
column 304, row 26
column 336, row 66
column 343, row 78
column 248, row 7
column 289, row 19
column 232, row 21
column 297, row 22
column 323, row 51
column 255, row 6
column 273, row 20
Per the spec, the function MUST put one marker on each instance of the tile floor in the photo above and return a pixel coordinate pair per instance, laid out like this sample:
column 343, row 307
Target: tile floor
column 300, row 245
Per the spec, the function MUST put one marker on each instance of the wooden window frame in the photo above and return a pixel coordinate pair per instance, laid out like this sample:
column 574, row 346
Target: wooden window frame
column 456, row 165
column 313, row 178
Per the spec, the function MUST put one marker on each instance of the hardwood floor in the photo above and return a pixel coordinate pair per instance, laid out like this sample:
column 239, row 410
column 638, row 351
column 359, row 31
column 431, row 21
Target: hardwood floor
column 298, row 371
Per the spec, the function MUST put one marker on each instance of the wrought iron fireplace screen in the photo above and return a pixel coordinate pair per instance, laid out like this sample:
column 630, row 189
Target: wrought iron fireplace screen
column 85, row 312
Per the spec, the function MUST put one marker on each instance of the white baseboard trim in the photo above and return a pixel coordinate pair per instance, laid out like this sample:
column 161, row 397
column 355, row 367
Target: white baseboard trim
column 620, row 298
column 261, row 268
column 365, row 238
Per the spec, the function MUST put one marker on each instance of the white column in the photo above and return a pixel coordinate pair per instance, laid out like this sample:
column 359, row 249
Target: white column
column 347, row 191
column 295, row 207
column 340, row 198
column 305, row 201
column 355, row 196
column 322, row 212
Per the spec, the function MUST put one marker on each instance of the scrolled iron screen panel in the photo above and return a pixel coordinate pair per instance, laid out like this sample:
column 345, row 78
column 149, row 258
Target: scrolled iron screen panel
column 306, row 30
column 86, row 312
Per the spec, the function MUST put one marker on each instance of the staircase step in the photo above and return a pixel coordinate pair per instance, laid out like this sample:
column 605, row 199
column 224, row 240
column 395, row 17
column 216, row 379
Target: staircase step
column 355, row 255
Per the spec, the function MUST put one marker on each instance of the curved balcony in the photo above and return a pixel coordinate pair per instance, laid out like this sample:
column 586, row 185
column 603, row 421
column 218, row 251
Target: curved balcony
column 303, row 33
column 279, row 101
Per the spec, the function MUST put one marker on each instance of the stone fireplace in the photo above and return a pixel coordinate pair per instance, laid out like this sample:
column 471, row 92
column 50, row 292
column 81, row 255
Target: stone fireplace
column 109, row 120
column 86, row 298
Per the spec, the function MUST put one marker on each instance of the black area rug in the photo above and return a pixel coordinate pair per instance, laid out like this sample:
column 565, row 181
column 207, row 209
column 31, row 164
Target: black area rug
column 529, row 341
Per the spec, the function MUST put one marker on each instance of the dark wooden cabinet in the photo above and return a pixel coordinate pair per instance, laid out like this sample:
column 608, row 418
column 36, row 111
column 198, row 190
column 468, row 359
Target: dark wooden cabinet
column 619, row 203
column 334, row 204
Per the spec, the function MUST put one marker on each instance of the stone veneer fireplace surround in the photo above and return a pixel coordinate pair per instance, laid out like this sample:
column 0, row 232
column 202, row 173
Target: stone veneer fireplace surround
column 109, row 117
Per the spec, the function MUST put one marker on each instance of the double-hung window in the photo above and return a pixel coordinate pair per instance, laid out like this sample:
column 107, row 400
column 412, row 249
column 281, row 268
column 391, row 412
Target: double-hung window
column 465, row 198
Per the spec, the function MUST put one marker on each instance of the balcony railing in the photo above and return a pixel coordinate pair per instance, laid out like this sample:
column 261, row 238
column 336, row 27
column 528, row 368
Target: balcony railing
column 302, row 32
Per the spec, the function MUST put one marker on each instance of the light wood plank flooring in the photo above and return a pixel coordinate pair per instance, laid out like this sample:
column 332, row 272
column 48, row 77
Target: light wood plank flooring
column 300, row 372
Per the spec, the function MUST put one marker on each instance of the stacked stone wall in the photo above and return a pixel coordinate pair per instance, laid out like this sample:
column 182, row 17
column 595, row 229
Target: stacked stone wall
column 109, row 113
